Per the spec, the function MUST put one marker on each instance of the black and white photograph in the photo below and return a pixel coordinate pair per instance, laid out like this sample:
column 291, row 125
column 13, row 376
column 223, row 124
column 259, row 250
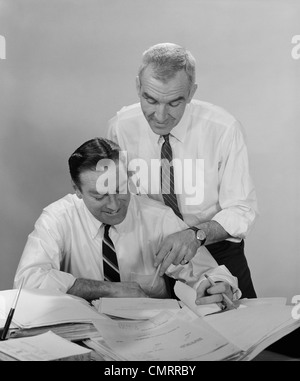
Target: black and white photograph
column 150, row 182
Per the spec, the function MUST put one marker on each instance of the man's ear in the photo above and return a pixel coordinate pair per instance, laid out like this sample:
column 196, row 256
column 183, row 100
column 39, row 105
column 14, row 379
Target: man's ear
column 77, row 190
column 138, row 85
column 192, row 92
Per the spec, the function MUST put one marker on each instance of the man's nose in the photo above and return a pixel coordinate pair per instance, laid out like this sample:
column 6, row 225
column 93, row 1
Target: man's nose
column 161, row 113
column 113, row 202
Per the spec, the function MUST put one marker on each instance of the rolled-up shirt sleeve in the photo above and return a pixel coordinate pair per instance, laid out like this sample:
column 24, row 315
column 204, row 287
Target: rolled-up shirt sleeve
column 202, row 263
column 237, row 196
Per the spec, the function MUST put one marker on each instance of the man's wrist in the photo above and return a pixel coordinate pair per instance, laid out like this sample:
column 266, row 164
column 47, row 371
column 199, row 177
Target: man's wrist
column 200, row 235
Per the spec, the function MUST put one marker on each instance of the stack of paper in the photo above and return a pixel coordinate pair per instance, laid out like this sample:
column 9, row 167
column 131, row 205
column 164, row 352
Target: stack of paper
column 45, row 347
column 169, row 336
column 254, row 328
column 135, row 308
column 146, row 308
column 69, row 331
column 194, row 332
column 39, row 307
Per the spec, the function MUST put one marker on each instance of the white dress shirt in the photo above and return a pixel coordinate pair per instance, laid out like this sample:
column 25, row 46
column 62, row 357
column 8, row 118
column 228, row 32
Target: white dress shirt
column 208, row 145
column 66, row 244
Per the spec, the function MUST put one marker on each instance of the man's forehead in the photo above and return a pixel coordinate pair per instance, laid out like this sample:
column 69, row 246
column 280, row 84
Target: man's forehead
column 180, row 75
column 111, row 178
column 169, row 91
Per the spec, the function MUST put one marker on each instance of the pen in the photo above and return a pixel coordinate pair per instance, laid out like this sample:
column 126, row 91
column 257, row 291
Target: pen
column 11, row 314
column 225, row 297
column 155, row 277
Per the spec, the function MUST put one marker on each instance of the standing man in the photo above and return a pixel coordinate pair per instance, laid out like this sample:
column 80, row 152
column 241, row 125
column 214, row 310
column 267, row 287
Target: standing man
column 209, row 185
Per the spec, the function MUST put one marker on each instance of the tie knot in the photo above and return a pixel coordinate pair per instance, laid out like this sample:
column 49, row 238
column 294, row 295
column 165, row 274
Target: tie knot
column 106, row 229
column 166, row 137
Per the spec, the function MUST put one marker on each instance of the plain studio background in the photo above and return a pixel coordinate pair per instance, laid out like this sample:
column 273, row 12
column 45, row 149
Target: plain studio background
column 70, row 65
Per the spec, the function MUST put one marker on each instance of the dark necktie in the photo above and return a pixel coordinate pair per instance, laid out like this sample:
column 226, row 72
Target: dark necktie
column 167, row 177
column 110, row 261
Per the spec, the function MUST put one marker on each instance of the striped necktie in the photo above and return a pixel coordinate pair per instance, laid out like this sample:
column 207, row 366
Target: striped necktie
column 167, row 177
column 110, row 261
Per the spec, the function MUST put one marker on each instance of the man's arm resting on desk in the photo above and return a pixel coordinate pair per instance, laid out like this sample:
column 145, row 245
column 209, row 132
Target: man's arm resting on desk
column 90, row 289
column 184, row 245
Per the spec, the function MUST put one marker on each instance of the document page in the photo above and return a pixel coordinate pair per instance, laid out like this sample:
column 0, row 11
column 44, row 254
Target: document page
column 134, row 308
column 45, row 347
column 166, row 337
column 247, row 327
column 40, row 307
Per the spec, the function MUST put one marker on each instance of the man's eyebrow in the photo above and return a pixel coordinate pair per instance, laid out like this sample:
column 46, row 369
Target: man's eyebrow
column 145, row 94
column 180, row 98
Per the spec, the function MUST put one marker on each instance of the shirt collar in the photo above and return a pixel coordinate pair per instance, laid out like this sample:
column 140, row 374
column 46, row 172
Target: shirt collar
column 93, row 224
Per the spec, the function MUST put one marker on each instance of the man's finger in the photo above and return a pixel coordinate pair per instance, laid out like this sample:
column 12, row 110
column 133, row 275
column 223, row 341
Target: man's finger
column 215, row 298
column 162, row 253
column 201, row 290
column 167, row 262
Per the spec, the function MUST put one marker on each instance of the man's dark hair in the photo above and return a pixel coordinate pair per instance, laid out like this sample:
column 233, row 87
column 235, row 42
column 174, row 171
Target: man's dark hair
column 88, row 155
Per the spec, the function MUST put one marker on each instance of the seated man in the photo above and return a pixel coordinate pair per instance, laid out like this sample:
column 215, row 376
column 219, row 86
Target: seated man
column 69, row 249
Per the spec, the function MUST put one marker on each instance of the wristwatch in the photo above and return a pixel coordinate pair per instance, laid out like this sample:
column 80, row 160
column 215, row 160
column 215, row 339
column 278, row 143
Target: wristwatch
column 200, row 235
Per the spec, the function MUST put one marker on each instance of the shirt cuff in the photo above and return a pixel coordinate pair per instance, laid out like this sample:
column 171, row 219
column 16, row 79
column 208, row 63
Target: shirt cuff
column 222, row 274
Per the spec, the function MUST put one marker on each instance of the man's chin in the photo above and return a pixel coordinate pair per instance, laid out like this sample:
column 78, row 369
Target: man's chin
column 161, row 130
column 111, row 219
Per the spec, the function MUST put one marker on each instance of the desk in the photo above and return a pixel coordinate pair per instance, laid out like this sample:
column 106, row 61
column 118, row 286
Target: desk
column 273, row 356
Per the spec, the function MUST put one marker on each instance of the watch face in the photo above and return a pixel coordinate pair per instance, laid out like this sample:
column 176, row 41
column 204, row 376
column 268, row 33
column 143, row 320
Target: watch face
column 201, row 235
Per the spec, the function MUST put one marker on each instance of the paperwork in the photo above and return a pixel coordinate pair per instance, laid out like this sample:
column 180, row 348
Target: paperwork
column 169, row 336
column 254, row 328
column 146, row 308
column 39, row 307
column 170, row 333
column 195, row 332
column 45, row 347
column 135, row 308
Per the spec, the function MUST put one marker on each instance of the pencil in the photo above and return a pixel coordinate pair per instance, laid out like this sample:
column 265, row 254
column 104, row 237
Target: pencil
column 155, row 277
column 11, row 314
column 225, row 297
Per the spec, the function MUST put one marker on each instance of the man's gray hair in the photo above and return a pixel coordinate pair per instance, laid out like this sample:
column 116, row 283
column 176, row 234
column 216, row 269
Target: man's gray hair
column 166, row 59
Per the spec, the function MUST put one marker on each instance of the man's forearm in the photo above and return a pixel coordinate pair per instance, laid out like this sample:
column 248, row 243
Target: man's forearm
column 90, row 289
column 214, row 232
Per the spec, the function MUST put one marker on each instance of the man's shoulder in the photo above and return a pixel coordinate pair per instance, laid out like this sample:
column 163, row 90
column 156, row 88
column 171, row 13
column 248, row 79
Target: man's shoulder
column 211, row 112
column 68, row 204
column 149, row 207
column 129, row 112
column 128, row 123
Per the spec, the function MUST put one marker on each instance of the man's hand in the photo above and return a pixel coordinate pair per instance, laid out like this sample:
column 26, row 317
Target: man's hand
column 207, row 294
column 177, row 248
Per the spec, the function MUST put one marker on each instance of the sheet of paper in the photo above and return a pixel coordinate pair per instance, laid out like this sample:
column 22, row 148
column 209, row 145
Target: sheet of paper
column 247, row 327
column 45, row 347
column 39, row 307
column 260, row 301
column 188, row 296
column 135, row 308
column 166, row 337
